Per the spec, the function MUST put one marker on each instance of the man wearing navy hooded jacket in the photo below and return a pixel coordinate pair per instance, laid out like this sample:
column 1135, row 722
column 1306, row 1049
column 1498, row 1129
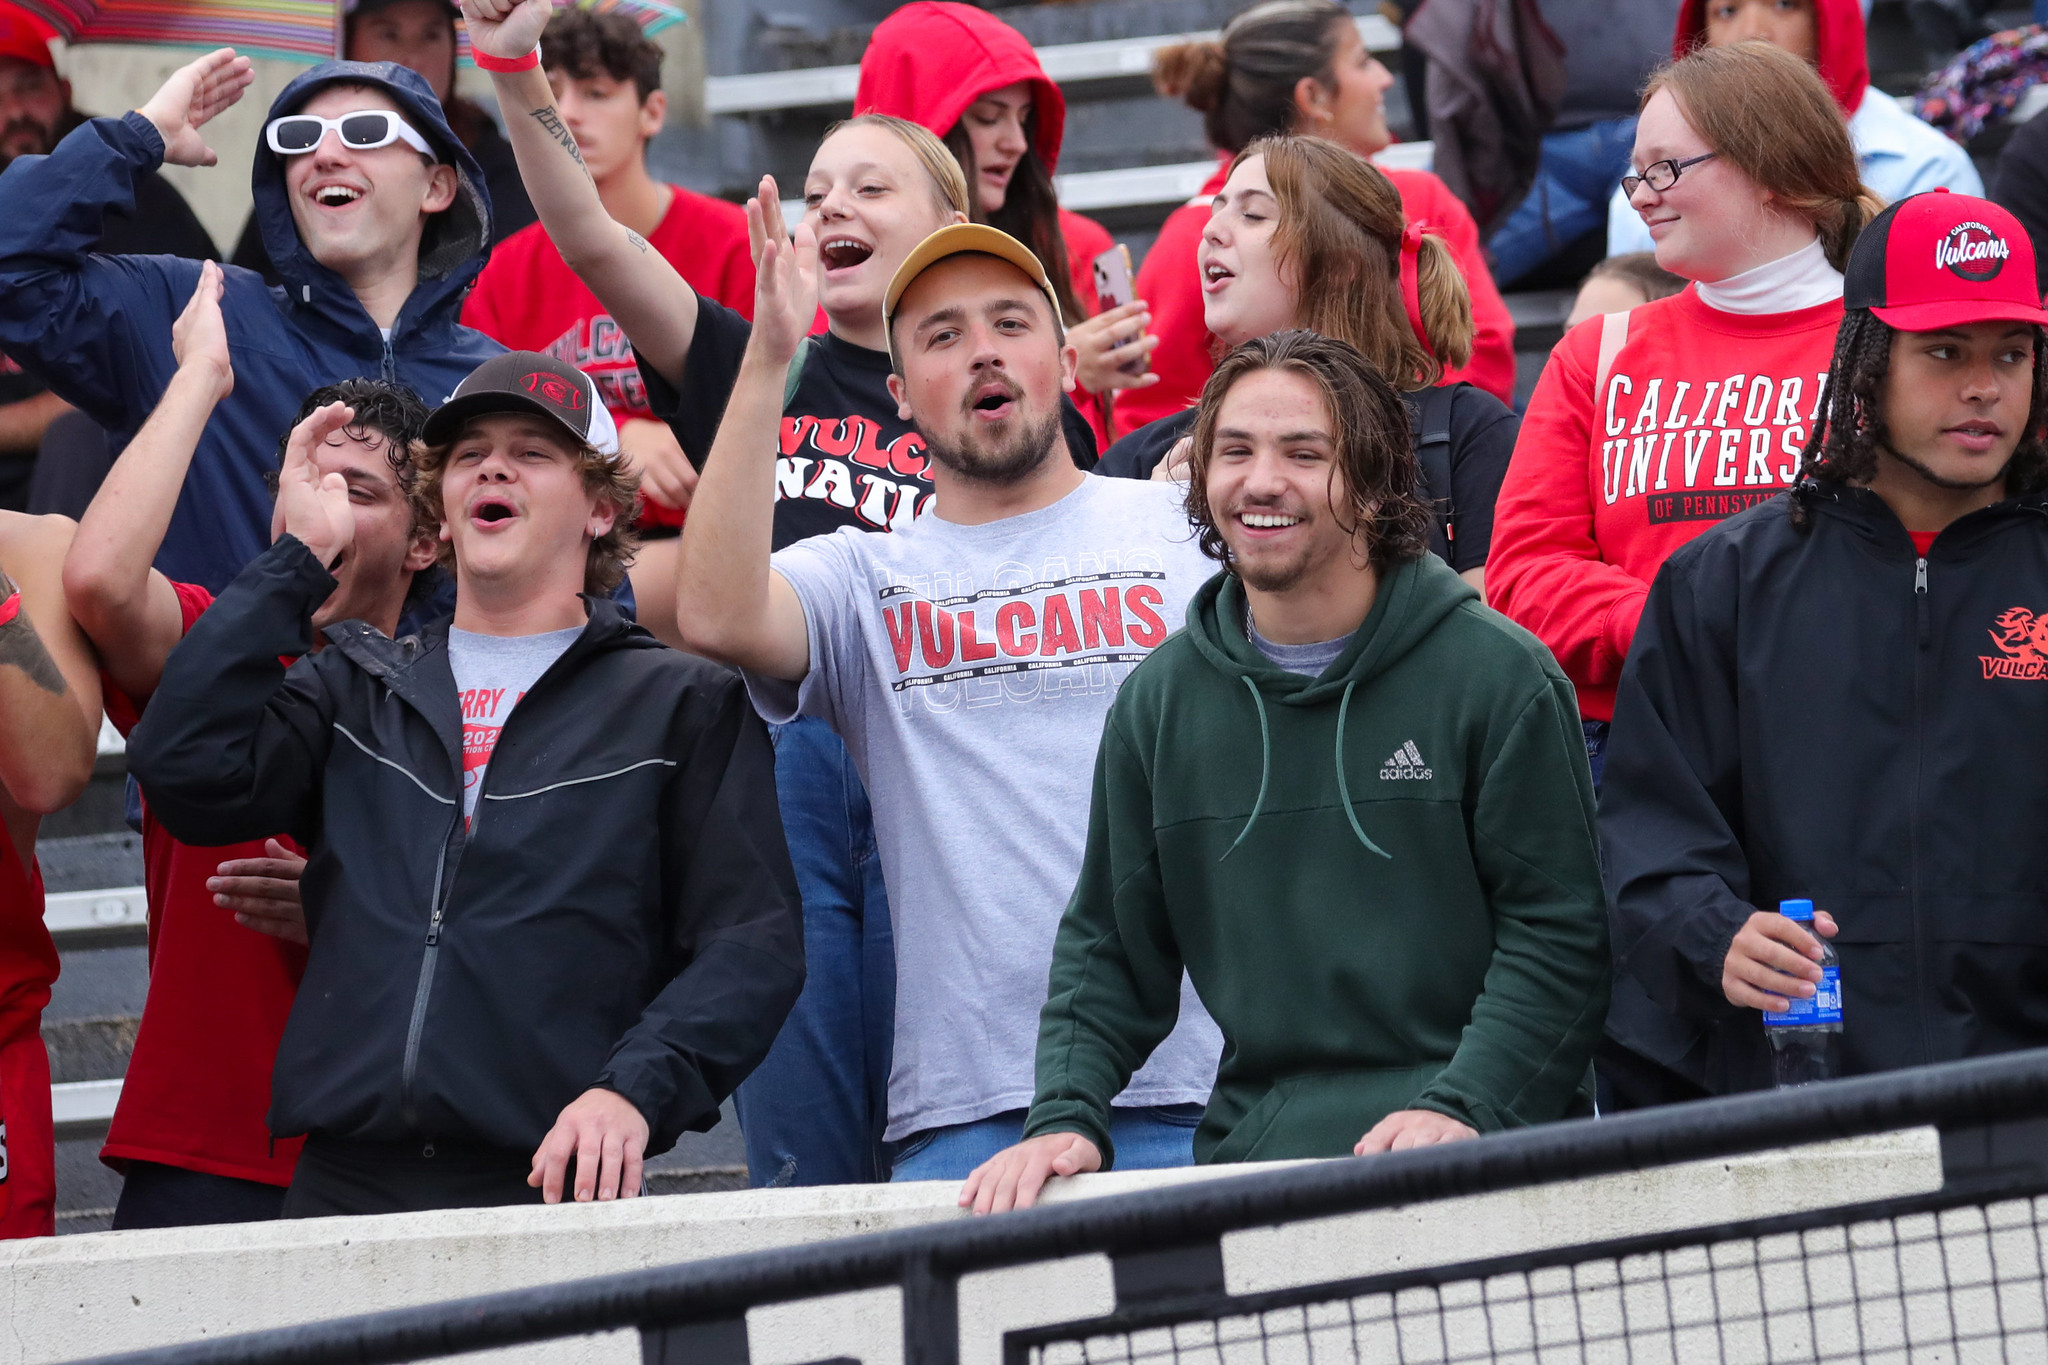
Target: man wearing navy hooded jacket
column 376, row 246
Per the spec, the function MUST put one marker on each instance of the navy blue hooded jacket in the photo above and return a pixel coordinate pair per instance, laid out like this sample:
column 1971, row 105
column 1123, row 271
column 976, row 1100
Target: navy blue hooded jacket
column 97, row 329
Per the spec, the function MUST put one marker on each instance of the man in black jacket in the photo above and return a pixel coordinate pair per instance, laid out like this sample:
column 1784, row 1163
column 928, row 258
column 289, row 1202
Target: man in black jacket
column 552, row 918
column 1839, row 694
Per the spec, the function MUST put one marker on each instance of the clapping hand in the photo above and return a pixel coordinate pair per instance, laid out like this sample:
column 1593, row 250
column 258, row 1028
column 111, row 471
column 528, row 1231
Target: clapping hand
column 785, row 276
column 194, row 94
column 313, row 508
column 199, row 338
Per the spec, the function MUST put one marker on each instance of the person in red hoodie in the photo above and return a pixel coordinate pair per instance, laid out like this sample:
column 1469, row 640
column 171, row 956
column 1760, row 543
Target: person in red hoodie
column 189, row 1132
column 606, row 75
column 1290, row 66
column 1650, row 426
column 976, row 82
column 49, row 716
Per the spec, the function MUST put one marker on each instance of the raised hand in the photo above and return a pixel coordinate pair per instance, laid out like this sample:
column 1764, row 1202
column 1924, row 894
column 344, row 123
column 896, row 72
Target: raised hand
column 506, row 28
column 199, row 338
column 315, row 509
column 191, row 97
column 785, row 276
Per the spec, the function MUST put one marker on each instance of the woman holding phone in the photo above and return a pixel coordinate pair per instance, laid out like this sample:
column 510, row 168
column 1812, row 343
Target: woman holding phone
column 1295, row 209
column 976, row 82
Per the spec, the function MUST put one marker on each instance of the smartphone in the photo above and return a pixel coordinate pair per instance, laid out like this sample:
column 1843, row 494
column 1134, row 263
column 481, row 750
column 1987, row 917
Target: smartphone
column 1113, row 285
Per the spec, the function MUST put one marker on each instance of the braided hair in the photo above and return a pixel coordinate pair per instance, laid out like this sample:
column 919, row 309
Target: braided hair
column 1846, row 440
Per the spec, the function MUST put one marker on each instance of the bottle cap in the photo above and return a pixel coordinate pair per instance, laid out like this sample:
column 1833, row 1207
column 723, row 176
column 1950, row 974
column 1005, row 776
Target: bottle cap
column 1799, row 909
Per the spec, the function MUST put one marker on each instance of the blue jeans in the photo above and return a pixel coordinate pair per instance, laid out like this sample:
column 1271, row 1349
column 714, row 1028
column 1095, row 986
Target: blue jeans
column 813, row 1112
column 1574, row 180
column 1146, row 1140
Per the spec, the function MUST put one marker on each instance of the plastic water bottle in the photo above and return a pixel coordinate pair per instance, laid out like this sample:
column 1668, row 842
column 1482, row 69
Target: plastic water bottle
column 1806, row 1040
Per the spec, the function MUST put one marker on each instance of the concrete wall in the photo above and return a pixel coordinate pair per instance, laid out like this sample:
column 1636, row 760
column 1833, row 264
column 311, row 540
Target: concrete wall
column 86, row 1295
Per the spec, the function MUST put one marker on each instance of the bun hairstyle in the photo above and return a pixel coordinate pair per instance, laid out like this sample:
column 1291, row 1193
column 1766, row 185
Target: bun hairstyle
column 1340, row 232
column 1243, row 84
column 1767, row 113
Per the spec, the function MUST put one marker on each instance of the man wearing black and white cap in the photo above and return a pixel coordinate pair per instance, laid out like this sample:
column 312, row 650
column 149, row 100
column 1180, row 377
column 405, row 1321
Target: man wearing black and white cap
column 552, row 918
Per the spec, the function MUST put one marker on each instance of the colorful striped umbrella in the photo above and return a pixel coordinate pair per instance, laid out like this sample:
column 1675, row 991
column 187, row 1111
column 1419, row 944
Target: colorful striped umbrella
column 295, row 30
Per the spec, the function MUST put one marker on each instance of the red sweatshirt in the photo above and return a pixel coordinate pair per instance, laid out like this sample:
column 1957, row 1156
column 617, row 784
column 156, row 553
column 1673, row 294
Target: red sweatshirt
column 28, row 964
column 198, row 1083
column 1167, row 281
column 928, row 61
column 526, row 298
column 1704, row 415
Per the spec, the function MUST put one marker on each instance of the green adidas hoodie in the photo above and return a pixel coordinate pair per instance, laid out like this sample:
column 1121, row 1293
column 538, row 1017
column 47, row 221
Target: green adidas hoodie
column 1383, row 881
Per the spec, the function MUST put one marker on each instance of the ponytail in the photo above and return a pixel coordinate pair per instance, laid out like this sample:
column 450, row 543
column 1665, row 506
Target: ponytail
column 1194, row 73
column 1840, row 226
column 1447, row 326
column 1243, row 84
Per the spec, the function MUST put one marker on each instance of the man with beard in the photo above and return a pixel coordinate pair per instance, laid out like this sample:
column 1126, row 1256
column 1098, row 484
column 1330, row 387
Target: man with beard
column 1836, row 695
column 967, row 659
column 1404, row 944
column 35, row 113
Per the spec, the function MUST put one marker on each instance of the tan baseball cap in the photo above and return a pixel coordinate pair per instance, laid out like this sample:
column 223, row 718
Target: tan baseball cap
column 956, row 239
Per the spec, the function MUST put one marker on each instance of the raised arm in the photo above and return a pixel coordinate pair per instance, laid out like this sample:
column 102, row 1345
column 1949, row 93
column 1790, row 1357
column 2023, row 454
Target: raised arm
column 636, row 285
column 129, row 610
column 49, row 690
column 730, row 605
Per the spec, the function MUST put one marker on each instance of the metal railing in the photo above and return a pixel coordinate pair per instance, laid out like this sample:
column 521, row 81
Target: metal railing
column 1973, row 1250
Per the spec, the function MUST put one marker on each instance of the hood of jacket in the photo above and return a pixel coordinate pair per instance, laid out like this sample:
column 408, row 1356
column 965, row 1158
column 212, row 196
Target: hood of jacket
column 1838, row 38
column 1413, row 600
column 929, row 60
column 456, row 240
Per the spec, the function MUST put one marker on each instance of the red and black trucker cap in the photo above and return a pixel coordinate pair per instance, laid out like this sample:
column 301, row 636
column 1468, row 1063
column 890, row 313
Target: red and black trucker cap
column 1939, row 260
column 527, row 381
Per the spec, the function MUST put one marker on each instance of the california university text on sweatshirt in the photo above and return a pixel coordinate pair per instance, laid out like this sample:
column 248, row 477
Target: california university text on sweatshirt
column 1381, row 881
column 1703, row 414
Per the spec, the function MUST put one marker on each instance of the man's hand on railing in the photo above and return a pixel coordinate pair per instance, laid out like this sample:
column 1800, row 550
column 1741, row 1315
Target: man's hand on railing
column 606, row 1135
column 1406, row 1128
column 1012, row 1178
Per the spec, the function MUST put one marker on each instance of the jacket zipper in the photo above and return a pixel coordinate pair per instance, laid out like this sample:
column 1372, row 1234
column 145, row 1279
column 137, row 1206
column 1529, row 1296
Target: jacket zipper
column 417, row 1028
column 1923, row 618
column 389, row 366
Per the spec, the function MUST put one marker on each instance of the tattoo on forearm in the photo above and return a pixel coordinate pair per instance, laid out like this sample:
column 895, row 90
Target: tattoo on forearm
column 22, row 648
column 639, row 242
column 551, row 123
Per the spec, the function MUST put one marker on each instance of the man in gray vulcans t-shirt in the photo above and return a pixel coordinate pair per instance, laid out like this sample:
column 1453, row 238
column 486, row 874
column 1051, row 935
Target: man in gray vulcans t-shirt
column 968, row 660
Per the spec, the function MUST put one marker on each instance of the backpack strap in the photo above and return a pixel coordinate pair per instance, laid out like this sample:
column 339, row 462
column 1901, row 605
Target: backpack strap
column 1613, row 336
column 796, row 371
column 1433, row 455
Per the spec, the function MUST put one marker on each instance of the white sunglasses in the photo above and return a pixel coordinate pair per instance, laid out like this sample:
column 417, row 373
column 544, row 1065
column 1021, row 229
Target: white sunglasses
column 363, row 131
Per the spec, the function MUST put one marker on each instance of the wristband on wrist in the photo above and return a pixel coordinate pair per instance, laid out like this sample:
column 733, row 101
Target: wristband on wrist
column 487, row 62
column 11, row 607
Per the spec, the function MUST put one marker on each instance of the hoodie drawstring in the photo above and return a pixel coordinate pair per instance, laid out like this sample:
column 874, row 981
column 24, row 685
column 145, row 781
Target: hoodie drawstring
column 1265, row 763
column 1343, row 788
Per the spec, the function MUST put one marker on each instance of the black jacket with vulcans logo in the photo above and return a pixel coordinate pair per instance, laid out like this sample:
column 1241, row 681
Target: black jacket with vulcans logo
column 1824, row 713
column 621, row 912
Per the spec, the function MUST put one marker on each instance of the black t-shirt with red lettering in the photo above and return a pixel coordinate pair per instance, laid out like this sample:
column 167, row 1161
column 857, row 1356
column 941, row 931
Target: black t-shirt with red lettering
column 845, row 457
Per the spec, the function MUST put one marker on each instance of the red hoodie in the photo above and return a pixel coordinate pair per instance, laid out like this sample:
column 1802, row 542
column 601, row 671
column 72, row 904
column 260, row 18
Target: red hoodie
column 1839, row 44
column 28, row 964
column 1704, row 415
column 1167, row 281
column 929, row 60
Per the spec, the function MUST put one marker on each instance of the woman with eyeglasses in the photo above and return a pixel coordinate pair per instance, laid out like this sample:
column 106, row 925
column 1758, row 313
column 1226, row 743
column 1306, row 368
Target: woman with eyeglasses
column 1649, row 426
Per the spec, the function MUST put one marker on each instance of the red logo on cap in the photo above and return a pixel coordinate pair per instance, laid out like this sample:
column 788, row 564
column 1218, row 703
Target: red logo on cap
column 1973, row 251
column 552, row 388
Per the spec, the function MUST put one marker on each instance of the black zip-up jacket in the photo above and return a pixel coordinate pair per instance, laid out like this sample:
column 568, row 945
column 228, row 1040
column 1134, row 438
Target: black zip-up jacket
column 621, row 912
column 1823, row 713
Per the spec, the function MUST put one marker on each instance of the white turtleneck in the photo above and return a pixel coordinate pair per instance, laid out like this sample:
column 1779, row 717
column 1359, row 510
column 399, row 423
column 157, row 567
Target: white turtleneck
column 1802, row 280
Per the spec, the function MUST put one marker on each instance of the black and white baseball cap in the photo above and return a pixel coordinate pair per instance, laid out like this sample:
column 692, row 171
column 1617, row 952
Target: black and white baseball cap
column 523, row 382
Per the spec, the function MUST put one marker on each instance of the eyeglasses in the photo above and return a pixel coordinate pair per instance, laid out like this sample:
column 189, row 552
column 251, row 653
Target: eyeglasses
column 363, row 131
column 1661, row 175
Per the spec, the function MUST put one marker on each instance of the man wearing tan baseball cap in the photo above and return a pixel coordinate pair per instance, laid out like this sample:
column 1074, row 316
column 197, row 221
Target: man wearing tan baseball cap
column 967, row 658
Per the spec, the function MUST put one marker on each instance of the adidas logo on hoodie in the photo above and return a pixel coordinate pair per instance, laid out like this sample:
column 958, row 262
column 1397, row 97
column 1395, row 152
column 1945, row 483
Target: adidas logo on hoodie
column 1406, row 765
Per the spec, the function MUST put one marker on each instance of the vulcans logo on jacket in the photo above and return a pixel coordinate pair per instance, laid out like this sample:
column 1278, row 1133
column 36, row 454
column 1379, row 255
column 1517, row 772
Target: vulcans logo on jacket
column 1702, row 452
column 2022, row 636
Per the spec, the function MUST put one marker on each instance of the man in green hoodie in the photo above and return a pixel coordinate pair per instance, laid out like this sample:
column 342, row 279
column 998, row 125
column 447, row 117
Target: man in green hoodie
column 1348, row 798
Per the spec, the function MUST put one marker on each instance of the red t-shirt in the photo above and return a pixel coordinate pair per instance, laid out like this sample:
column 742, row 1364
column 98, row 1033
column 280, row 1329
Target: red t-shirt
column 526, row 298
column 1923, row 541
column 28, row 964
column 1704, row 415
column 198, row 1084
column 1167, row 281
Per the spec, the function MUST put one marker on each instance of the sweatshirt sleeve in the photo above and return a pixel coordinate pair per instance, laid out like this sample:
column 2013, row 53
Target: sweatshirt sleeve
column 1671, row 797
column 1540, row 1012
column 232, row 743
column 737, row 928
column 75, row 318
column 1114, row 993
column 1545, row 571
